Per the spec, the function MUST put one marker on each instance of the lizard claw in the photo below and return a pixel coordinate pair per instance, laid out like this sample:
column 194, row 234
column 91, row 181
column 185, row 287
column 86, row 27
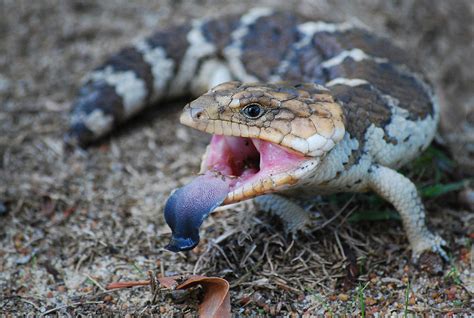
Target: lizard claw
column 302, row 228
column 431, row 243
column 295, row 219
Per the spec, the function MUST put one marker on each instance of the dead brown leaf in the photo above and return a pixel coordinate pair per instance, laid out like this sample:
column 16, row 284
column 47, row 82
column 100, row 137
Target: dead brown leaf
column 168, row 282
column 216, row 300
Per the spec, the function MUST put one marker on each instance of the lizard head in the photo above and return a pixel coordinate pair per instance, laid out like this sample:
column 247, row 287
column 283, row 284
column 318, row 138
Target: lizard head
column 266, row 137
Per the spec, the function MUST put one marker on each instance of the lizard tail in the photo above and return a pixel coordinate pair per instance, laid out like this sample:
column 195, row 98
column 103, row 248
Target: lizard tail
column 158, row 67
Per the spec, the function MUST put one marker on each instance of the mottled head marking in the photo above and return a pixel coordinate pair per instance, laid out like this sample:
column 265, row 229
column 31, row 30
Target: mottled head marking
column 301, row 117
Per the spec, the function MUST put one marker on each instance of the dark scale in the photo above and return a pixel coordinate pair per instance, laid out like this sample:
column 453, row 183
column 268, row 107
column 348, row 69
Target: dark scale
column 265, row 45
column 173, row 40
column 130, row 59
column 217, row 31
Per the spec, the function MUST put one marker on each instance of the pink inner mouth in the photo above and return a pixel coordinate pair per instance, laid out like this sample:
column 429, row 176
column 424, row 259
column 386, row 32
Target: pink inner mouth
column 247, row 160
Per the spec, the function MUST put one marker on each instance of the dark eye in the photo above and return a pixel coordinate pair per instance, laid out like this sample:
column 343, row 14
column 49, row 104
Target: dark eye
column 252, row 111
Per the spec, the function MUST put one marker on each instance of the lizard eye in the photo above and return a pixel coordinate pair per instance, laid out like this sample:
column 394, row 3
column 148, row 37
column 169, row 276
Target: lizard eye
column 252, row 111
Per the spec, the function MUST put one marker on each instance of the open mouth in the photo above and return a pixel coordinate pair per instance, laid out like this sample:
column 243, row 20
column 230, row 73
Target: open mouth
column 253, row 167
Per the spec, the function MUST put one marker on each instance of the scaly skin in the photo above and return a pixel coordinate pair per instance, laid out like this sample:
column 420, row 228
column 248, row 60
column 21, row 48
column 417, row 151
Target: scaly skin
column 352, row 104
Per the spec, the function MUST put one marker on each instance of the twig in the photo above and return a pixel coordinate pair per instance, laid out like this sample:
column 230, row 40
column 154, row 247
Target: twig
column 81, row 260
column 200, row 259
column 120, row 285
column 30, row 302
column 223, row 254
column 338, row 241
column 153, row 286
column 162, row 269
column 70, row 305
column 96, row 282
column 335, row 216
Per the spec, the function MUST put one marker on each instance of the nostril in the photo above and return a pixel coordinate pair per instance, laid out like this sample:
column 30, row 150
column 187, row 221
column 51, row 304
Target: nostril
column 198, row 115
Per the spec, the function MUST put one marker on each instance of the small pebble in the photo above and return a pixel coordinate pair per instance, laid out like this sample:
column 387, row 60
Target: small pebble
column 369, row 301
column 108, row 298
column 5, row 84
column 451, row 293
column 332, row 297
column 3, row 208
column 467, row 197
column 87, row 289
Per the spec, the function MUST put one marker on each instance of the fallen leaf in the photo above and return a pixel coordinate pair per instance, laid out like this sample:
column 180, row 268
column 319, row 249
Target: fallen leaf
column 168, row 282
column 48, row 206
column 216, row 302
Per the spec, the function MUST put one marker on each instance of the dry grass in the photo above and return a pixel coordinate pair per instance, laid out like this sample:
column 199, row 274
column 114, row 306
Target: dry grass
column 75, row 221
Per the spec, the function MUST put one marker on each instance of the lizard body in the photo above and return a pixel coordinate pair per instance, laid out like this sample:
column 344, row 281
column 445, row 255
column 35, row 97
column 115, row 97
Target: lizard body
column 297, row 108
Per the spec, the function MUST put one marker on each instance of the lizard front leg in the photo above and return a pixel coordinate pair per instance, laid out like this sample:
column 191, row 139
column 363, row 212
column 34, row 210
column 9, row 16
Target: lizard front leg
column 402, row 193
column 293, row 216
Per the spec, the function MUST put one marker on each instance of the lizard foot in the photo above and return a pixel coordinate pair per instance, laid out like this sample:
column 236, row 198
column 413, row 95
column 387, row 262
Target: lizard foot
column 429, row 244
column 296, row 220
column 302, row 228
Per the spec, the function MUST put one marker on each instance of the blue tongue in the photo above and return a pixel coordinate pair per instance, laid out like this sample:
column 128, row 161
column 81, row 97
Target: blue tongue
column 188, row 206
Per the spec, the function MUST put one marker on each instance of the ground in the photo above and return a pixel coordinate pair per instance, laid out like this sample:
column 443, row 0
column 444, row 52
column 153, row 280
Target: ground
column 73, row 221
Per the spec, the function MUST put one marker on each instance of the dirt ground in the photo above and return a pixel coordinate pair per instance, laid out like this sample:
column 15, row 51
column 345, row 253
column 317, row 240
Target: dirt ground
column 72, row 222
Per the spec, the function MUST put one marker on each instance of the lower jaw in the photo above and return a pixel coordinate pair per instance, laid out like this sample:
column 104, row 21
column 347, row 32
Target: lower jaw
column 264, row 186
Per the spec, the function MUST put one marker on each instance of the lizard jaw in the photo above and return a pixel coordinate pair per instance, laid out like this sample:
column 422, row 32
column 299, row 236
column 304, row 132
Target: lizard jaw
column 253, row 167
